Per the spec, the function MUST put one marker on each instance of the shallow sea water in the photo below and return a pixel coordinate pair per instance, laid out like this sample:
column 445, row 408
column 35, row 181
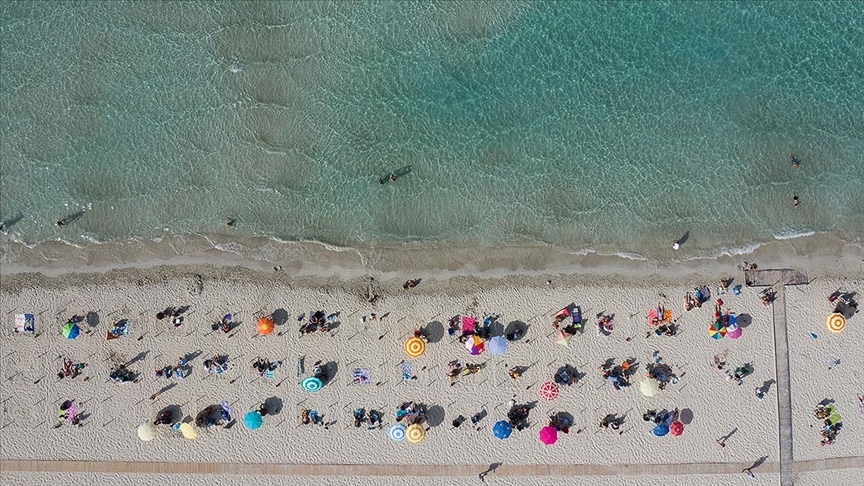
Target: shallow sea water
column 615, row 127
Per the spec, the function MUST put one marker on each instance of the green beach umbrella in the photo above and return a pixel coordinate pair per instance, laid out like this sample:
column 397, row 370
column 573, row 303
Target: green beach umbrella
column 71, row 330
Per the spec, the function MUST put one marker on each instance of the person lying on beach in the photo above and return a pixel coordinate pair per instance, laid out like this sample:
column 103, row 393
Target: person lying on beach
column 410, row 284
column 454, row 371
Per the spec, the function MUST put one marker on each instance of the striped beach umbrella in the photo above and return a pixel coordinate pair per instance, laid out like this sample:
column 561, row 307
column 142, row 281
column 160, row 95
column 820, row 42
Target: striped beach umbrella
column 415, row 347
column 717, row 331
column 415, row 433
column 836, row 322
column 396, row 433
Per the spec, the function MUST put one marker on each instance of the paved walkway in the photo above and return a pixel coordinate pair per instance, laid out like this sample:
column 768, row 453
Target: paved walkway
column 432, row 470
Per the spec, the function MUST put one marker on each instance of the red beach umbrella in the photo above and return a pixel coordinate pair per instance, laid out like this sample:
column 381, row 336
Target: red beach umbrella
column 677, row 428
column 549, row 391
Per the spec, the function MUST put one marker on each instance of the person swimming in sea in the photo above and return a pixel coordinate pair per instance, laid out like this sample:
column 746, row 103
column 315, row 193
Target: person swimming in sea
column 795, row 160
column 795, row 201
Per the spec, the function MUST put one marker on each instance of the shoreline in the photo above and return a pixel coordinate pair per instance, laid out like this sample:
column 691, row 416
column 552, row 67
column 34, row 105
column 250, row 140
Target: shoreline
column 817, row 255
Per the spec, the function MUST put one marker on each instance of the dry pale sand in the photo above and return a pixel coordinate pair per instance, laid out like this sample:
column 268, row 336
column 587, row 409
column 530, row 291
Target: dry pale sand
column 31, row 393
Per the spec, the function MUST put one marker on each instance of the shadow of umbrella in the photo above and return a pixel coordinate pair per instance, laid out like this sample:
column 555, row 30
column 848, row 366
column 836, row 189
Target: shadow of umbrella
column 686, row 416
column 174, row 410
column 279, row 316
column 434, row 332
column 273, row 405
column 744, row 320
column 516, row 327
column 435, row 415
column 331, row 369
column 92, row 319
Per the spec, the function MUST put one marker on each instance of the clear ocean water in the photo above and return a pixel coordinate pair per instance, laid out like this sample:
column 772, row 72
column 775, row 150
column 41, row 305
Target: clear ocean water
column 612, row 126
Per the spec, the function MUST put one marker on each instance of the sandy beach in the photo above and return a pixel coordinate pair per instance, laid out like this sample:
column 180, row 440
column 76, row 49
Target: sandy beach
column 712, row 405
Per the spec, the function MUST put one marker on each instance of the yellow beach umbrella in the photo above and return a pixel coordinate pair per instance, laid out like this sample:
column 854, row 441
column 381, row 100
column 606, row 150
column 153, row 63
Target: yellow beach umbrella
column 649, row 387
column 188, row 431
column 836, row 322
column 415, row 433
column 415, row 347
column 147, row 431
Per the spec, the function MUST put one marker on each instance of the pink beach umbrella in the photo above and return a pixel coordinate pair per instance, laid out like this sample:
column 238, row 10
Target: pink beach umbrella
column 733, row 330
column 548, row 435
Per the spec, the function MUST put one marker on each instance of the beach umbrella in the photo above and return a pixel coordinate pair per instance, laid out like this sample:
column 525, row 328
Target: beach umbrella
column 311, row 384
column 649, row 387
column 564, row 339
column 717, row 331
column 146, row 431
column 415, row 347
column 396, row 433
column 265, row 325
column 548, row 435
column 497, row 345
column 188, row 431
column 661, row 430
column 415, row 433
column 502, row 429
column 836, row 322
column 677, row 428
column 474, row 345
column 71, row 330
column 549, row 391
column 734, row 332
column 253, row 420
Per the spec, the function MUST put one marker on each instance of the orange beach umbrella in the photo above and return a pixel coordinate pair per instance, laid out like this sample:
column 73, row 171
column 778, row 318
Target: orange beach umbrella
column 265, row 325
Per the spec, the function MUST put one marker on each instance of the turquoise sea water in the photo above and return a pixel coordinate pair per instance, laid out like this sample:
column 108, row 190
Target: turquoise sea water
column 614, row 126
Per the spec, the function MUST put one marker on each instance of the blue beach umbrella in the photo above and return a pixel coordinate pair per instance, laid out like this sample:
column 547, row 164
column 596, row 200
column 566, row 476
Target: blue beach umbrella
column 497, row 345
column 502, row 429
column 396, row 433
column 71, row 330
column 252, row 420
column 661, row 430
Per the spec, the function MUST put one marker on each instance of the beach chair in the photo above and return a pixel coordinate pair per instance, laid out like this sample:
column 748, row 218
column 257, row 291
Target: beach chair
column 577, row 317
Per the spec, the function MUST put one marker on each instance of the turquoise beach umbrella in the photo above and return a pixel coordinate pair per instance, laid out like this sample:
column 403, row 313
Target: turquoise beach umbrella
column 252, row 420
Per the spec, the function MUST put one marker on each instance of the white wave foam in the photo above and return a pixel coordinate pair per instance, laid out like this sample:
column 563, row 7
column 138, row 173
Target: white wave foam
column 790, row 234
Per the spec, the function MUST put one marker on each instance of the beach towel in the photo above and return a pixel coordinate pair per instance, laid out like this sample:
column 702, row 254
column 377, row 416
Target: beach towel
column 468, row 323
column 362, row 376
column 270, row 374
column 406, row 371
column 25, row 323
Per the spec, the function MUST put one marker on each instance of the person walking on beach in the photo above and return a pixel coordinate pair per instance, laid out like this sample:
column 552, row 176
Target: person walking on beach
column 676, row 244
column 749, row 473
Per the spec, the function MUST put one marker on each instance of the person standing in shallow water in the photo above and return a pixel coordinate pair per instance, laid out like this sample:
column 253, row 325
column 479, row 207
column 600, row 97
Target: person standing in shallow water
column 795, row 202
column 795, row 160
